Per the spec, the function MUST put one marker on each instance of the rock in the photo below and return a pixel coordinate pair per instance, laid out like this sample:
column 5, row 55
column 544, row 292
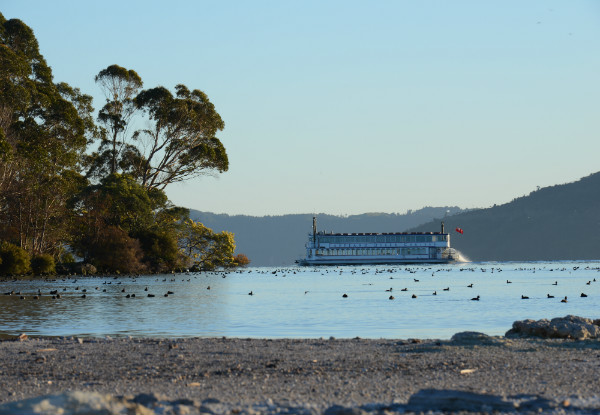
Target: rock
column 473, row 338
column 147, row 399
column 453, row 400
column 343, row 410
column 568, row 327
column 74, row 403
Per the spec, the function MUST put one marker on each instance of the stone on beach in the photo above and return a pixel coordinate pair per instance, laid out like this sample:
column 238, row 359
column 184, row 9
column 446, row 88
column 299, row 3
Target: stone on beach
column 568, row 327
column 75, row 403
column 473, row 338
column 456, row 400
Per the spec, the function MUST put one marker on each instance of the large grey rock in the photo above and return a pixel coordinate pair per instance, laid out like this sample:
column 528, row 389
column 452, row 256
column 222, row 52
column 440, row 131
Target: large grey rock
column 343, row 410
column 473, row 338
column 456, row 401
column 74, row 403
column 568, row 327
column 453, row 400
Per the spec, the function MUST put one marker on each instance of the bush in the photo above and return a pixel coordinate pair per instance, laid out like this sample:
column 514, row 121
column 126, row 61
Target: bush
column 67, row 258
column 241, row 260
column 14, row 260
column 161, row 252
column 43, row 264
column 115, row 251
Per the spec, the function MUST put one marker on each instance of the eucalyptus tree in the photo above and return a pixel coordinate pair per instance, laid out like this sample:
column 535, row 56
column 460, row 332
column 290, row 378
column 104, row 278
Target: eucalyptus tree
column 181, row 142
column 120, row 86
column 44, row 130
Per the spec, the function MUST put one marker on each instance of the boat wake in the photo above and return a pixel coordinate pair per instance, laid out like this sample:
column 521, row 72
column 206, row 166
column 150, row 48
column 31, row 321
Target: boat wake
column 462, row 257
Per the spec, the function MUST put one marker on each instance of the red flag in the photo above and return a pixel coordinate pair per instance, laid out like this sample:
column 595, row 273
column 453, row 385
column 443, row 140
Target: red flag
column 459, row 230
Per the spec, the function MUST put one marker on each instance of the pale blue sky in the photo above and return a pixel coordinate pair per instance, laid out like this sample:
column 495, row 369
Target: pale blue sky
column 347, row 107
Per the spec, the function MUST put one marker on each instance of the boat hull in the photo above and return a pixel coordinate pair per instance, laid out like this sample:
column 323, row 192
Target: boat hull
column 372, row 261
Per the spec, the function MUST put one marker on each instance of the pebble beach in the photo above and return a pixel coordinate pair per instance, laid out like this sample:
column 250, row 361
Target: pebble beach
column 312, row 376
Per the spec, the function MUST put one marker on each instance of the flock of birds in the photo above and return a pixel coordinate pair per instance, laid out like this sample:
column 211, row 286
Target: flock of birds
column 284, row 272
column 421, row 270
column 83, row 292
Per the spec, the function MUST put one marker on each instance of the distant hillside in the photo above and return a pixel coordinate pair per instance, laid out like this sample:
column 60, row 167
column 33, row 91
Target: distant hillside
column 558, row 222
column 279, row 240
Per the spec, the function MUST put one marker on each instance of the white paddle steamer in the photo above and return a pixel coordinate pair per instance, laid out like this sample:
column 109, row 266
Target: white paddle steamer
column 378, row 248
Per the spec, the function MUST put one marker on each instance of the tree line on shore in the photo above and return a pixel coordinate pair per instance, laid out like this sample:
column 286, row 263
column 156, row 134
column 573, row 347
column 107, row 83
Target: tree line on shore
column 78, row 187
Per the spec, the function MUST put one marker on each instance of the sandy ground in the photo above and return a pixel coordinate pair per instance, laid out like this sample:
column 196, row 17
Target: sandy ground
column 316, row 372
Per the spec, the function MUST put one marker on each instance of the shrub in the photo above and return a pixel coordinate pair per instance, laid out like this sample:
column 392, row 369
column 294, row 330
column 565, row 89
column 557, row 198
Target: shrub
column 161, row 252
column 241, row 260
column 43, row 264
column 15, row 260
column 67, row 258
column 115, row 251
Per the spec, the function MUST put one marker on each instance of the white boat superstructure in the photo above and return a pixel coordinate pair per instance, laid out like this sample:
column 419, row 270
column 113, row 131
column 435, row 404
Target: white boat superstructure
column 377, row 248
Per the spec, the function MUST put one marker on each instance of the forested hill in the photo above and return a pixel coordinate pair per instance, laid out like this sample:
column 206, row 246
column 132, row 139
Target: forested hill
column 280, row 240
column 558, row 222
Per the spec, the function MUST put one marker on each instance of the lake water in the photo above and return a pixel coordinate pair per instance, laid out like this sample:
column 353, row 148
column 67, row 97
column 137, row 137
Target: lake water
column 306, row 302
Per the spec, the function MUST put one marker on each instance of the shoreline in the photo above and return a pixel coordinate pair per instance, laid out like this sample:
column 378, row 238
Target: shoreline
column 314, row 374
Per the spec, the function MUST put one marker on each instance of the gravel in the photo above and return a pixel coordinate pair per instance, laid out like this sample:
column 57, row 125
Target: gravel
column 311, row 375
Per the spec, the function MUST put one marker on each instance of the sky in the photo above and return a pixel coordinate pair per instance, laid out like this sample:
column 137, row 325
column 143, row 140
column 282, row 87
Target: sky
column 346, row 107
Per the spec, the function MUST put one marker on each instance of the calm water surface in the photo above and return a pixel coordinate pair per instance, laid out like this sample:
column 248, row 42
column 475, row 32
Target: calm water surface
column 306, row 302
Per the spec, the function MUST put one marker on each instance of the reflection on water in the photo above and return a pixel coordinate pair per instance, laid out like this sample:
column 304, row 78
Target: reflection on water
column 305, row 302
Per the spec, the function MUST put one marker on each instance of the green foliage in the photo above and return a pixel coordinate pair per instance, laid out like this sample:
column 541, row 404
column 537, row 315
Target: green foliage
column 119, row 86
column 44, row 129
column 117, row 201
column 161, row 252
column 181, row 143
column 117, row 216
column 15, row 260
column 43, row 264
column 143, row 215
column 206, row 249
column 67, row 258
column 241, row 260
column 115, row 251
